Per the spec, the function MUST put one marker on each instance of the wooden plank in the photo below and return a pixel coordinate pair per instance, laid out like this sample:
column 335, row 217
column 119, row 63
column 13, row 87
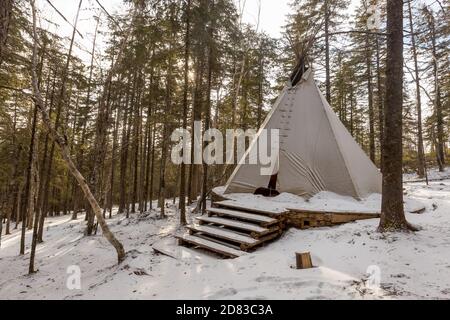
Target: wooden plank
column 232, row 205
column 210, row 245
column 234, row 224
column 219, row 241
column 264, row 220
column 224, row 234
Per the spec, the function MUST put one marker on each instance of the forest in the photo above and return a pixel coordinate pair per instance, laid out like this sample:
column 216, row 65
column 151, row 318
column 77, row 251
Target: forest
column 88, row 136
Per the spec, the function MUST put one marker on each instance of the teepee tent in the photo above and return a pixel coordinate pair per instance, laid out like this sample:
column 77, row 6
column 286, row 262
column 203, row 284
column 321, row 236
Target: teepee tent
column 316, row 152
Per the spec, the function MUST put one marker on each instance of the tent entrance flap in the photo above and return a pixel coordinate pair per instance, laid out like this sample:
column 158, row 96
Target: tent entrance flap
column 271, row 190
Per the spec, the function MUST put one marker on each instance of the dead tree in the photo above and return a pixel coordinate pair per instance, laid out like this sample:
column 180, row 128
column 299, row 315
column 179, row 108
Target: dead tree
column 62, row 143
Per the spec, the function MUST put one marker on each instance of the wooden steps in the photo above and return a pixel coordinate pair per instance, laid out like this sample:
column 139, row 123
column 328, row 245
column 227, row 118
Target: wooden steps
column 224, row 233
column 210, row 245
column 230, row 228
column 234, row 224
column 234, row 206
column 228, row 231
column 262, row 220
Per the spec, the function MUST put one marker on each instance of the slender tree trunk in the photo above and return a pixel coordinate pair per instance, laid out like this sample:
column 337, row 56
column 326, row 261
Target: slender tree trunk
column 136, row 134
column 260, row 86
column 102, row 122
column 29, row 187
column 392, row 213
column 440, row 152
column 182, row 200
column 62, row 143
column 32, row 201
column 124, row 156
column 113, row 160
column 420, row 148
column 5, row 18
column 352, row 101
column 15, row 184
column 208, row 99
column 59, row 103
column 370, row 101
column 327, row 51
column 166, row 128
column 197, row 106
column 152, row 169
column 380, row 103
column 17, row 204
column 149, row 142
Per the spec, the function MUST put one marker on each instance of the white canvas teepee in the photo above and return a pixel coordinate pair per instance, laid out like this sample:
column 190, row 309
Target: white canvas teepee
column 317, row 153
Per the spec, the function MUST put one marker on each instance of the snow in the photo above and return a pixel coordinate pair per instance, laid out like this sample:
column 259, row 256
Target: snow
column 411, row 265
column 432, row 175
column 323, row 201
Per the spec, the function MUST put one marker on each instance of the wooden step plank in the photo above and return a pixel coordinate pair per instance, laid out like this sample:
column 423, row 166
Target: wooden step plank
column 219, row 241
column 244, row 216
column 233, row 205
column 224, row 234
column 234, row 224
column 210, row 245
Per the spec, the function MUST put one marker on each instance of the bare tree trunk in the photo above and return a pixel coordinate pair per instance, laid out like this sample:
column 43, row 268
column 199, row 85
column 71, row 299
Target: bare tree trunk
column 260, row 86
column 62, row 143
column 327, row 51
column 59, row 103
column 208, row 100
column 152, row 169
column 182, row 200
column 103, row 117
column 420, row 148
column 380, row 103
column 136, row 134
column 113, row 160
column 392, row 213
column 370, row 101
column 150, row 145
column 196, row 116
column 124, row 156
column 17, row 204
column 15, row 184
column 5, row 18
column 166, row 129
column 33, row 200
column 440, row 152
column 29, row 183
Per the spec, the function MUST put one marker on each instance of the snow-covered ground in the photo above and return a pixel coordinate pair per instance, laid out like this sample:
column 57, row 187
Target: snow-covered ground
column 432, row 174
column 408, row 266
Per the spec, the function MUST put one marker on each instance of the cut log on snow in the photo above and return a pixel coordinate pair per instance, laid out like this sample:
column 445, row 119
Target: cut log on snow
column 303, row 260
